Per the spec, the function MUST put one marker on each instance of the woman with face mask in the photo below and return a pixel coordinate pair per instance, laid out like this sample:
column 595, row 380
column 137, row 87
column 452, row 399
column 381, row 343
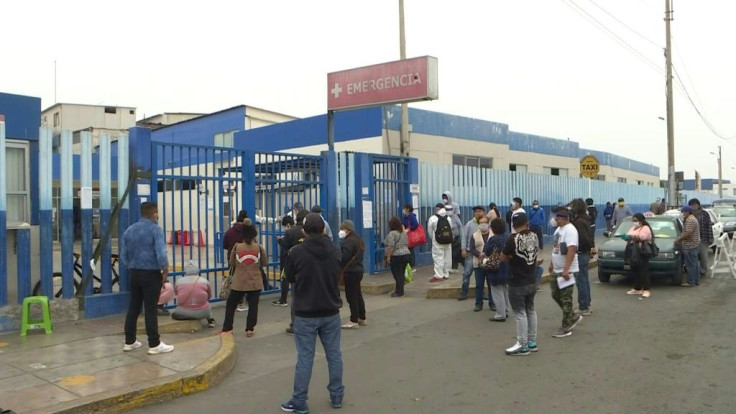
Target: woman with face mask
column 480, row 237
column 352, row 248
column 640, row 233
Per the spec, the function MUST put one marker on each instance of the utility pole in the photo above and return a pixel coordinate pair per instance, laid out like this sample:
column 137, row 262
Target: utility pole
column 672, row 198
column 404, row 135
column 720, row 174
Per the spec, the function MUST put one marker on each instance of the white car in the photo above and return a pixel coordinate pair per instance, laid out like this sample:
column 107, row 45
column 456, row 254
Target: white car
column 717, row 224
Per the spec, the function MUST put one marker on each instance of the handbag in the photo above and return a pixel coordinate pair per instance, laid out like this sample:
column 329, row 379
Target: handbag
column 650, row 249
column 226, row 287
column 416, row 237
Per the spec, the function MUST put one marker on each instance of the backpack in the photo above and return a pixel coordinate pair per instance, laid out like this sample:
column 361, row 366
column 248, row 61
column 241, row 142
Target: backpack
column 443, row 232
column 493, row 262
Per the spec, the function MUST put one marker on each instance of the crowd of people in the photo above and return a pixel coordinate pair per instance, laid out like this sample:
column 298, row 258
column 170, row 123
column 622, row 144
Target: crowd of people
column 501, row 254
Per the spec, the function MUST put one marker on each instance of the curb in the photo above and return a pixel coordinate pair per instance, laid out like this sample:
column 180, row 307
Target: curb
column 453, row 292
column 170, row 326
column 206, row 375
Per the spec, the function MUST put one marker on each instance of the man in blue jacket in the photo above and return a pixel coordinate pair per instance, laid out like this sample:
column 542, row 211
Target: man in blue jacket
column 537, row 221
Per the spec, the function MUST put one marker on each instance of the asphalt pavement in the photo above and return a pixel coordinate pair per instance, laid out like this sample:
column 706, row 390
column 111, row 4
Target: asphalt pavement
column 671, row 353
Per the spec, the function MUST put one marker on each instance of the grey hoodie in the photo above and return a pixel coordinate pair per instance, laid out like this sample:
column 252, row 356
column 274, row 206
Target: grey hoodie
column 450, row 201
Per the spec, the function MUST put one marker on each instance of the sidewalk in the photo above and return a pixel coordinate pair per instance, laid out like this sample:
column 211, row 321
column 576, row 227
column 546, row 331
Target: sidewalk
column 82, row 368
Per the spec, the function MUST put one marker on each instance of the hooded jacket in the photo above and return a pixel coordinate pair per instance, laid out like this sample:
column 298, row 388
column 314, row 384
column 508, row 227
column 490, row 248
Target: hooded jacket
column 313, row 268
column 586, row 238
column 455, row 207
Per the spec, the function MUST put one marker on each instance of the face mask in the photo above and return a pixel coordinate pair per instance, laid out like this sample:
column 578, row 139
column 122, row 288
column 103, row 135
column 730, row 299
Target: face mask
column 637, row 225
column 552, row 222
column 484, row 227
column 620, row 203
column 535, row 206
column 342, row 234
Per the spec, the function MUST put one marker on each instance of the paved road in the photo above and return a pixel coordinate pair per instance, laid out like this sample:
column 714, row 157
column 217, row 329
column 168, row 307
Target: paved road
column 671, row 353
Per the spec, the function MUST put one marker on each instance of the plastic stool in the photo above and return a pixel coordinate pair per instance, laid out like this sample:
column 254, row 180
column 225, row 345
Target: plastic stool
column 45, row 323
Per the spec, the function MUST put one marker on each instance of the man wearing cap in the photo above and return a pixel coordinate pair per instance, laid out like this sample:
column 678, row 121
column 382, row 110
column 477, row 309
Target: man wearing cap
column 313, row 268
column 318, row 210
column 564, row 266
column 515, row 209
column 537, row 221
column 521, row 253
column 467, row 239
column 620, row 212
column 706, row 233
column 690, row 239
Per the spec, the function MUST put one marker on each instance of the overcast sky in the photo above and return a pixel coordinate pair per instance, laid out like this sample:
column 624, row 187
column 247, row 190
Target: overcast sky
column 542, row 66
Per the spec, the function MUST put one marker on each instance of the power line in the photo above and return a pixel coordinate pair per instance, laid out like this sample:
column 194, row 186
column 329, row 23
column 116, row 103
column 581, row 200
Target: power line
column 626, row 25
column 608, row 32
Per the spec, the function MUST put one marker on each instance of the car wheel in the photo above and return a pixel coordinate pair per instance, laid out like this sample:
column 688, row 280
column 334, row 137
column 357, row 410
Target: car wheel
column 603, row 277
column 677, row 276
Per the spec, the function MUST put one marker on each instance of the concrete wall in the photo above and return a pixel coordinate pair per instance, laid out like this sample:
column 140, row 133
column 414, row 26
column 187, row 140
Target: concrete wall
column 75, row 117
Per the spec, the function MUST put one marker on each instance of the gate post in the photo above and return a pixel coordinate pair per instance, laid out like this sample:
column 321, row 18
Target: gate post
column 328, row 195
column 248, row 188
column 364, row 194
column 139, row 157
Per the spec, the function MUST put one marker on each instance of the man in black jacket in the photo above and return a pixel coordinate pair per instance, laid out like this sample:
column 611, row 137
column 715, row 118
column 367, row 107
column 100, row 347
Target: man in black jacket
column 293, row 236
column 313, row 268
column 586, row 249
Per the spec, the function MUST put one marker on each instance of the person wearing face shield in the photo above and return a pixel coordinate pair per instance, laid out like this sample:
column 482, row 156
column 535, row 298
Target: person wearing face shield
column 620, row 212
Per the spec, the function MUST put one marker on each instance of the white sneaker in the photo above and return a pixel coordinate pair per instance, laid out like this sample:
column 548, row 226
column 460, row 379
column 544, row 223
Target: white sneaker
column 132, row 347
column 452, row 271
column 241, row 308
column 162, row 348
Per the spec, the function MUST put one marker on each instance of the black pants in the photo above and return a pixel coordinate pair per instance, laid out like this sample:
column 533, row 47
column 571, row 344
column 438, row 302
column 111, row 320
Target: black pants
column 145, row 288
column 457, row 253
column 252, row 297
column 354, row 295
column 641, row 275
column 398, row 267
column 413, row 258
column 284, row 290
column 538, row 231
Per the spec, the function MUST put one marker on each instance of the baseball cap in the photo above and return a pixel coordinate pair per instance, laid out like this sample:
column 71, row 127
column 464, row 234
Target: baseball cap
column 686, row 208
column 479, row 208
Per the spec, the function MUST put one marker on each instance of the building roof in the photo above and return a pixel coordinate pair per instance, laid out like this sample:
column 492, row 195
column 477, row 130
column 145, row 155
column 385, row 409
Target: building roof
column 97, row 106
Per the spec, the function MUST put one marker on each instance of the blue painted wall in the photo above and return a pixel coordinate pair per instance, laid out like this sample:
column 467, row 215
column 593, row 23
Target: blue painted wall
column 22, row 116
column 349, row 125
column 542, row 145
column 202, row 130
column 76, row 167
column 705, row 184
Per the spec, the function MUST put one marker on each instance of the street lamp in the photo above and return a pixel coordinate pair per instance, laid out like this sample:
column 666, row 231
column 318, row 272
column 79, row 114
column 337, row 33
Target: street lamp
column 720, row 173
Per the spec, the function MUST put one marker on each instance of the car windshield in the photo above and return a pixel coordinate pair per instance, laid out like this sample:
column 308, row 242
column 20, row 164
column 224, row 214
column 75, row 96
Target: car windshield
column 726, row 211
column 663, row 229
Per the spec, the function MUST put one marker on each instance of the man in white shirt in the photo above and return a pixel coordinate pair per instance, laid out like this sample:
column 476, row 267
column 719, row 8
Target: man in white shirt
column 563, row 269
column 516, row 209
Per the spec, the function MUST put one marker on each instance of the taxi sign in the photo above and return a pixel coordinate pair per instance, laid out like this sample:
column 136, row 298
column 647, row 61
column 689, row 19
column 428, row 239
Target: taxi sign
column 589, row 166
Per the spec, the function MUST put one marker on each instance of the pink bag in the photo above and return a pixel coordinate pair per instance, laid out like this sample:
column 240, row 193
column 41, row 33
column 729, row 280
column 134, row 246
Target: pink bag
column 167, row 293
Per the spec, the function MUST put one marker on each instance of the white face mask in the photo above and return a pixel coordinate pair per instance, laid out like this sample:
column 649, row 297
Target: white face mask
column 484, row 227
column 342, row 234
column 552, row 222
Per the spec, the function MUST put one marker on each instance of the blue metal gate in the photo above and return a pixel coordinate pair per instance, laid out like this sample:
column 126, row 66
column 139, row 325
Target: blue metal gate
column 389, row 193
column 200, row 191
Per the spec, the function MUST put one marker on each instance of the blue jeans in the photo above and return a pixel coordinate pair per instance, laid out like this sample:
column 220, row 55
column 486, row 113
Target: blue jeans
column 692, row 264
column 582, row 281
column 306, row 331
column 467, row 270
column 482, row 278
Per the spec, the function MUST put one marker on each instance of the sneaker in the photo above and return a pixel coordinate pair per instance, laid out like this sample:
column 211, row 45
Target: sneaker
column 586, row 312
column 478, row 308
column 289, row 330
column 211, row 322
column 532, row 345
column 646, row 294
column 687, row 285
column 436, row 279
column 242, row 308
column 517, row 349
column 634, row 292
column 350, row 325
column 494, row 319
column 250, row 334
column 575, row 322
column 290, row 407
column 278, row 302
column 396, row 295
column 462, row 297
column 162, row 348
column 362, row 322
column 452, row 271
column 132, row 347
column 562, row 332
column 336, row 401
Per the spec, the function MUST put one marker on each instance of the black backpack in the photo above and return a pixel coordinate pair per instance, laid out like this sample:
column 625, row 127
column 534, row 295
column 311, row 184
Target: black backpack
column 443, row 232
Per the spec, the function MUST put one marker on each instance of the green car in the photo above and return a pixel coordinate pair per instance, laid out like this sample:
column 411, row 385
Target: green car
column 668, row 263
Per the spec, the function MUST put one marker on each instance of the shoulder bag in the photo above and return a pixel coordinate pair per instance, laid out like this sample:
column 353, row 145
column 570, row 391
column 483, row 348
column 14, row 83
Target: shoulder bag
column 416, row 237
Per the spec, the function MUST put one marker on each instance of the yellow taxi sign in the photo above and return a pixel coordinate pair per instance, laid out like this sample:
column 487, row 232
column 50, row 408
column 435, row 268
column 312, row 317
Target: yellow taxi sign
column 589, row 166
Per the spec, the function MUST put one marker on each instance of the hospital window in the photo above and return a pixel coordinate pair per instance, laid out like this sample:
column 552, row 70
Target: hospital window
column 518, row 168
column 16, row 182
